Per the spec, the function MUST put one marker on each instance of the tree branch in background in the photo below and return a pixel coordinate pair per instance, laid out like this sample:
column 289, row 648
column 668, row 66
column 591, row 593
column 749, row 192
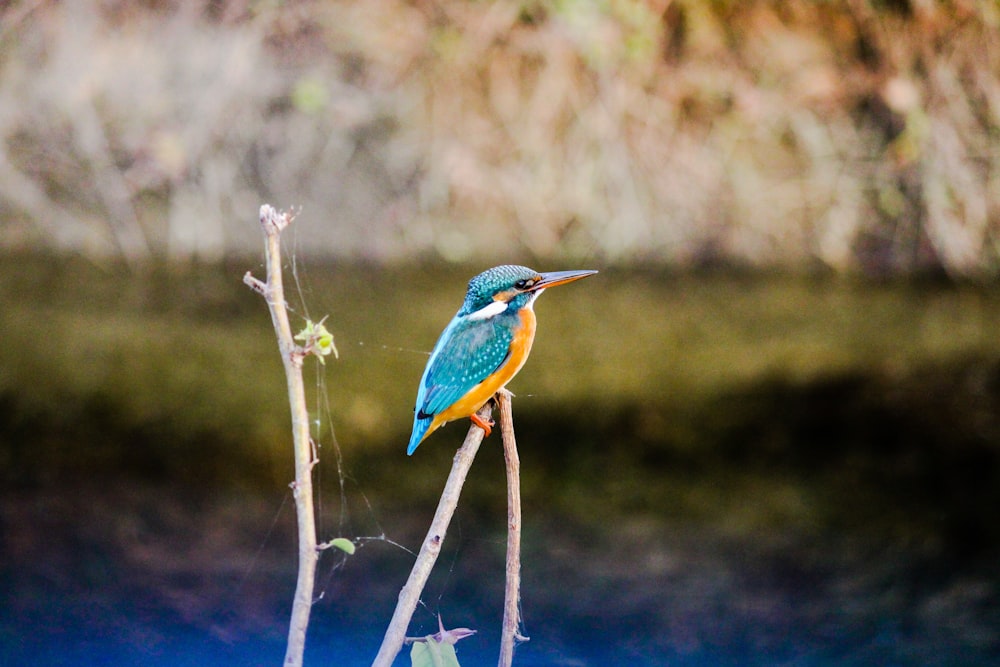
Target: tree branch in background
column 512, row 590
column 273, row 222
column 395, row 635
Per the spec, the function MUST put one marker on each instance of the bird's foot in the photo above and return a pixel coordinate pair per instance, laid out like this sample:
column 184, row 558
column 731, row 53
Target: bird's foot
column 485, row 424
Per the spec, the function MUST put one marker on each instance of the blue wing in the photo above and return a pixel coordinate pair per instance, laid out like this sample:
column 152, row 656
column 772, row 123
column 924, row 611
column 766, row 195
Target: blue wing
column 465, row 355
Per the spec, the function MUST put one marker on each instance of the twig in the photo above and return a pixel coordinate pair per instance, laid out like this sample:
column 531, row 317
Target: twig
column 512, row 591
column 410, row 595
column 273, row 223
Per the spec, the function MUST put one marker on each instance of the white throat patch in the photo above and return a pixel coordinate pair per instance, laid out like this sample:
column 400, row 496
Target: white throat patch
column 490, row 310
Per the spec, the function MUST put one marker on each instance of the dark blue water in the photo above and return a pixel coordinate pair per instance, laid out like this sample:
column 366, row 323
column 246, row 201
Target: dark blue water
column 125, row 572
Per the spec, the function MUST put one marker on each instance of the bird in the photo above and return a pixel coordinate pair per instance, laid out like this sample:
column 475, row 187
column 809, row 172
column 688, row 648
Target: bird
column 483, row 347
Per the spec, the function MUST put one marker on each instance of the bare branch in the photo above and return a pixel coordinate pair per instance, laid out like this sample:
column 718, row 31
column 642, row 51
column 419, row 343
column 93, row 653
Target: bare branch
column 410, row 595
column 273, row 222
column 512, row 590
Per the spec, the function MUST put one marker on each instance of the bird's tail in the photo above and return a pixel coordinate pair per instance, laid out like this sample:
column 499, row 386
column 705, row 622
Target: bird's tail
column 420, row 426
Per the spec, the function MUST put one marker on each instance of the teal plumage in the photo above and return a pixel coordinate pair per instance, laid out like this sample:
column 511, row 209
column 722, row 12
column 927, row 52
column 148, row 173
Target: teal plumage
column 469, row 349
column 470, row 360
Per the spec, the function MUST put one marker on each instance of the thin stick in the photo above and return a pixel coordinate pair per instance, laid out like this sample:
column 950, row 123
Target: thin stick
column 273, row 223
column 512, row 591
column 410, row 595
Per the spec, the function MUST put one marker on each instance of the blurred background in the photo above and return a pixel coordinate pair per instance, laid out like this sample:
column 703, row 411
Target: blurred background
column 767, row 433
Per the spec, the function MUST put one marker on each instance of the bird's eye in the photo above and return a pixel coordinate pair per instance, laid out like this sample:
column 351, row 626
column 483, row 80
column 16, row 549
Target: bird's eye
column 524, row 284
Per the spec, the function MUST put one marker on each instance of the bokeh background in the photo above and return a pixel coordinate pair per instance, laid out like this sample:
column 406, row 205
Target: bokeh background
column 768, row 432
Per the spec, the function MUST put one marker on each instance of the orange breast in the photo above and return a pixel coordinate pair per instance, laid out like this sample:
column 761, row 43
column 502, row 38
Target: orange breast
column 524, row 336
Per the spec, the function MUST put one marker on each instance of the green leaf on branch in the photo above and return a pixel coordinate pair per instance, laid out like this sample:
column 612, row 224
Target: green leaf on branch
column 343, row 544
column 438, row 650
column 317, row 340
column 432, row 654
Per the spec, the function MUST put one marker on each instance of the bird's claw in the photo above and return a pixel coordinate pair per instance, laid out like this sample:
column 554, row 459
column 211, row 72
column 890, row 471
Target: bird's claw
column 485, row 424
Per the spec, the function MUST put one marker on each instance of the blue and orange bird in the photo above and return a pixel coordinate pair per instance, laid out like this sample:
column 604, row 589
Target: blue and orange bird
column 483, row 347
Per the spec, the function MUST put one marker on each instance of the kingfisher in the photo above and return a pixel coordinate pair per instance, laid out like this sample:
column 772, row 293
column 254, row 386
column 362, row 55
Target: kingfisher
column 483, row 347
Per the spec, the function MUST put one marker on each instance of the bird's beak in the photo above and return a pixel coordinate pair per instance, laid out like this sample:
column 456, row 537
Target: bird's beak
column 554, row 278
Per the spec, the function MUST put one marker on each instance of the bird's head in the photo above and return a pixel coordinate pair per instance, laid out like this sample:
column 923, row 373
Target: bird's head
column 510, row 287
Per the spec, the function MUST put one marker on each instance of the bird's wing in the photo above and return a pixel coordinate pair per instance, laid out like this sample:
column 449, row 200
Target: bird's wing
column 468, row 352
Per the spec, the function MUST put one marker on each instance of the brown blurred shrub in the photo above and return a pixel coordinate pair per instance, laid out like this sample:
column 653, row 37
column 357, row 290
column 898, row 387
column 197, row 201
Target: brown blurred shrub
column 858, row 135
